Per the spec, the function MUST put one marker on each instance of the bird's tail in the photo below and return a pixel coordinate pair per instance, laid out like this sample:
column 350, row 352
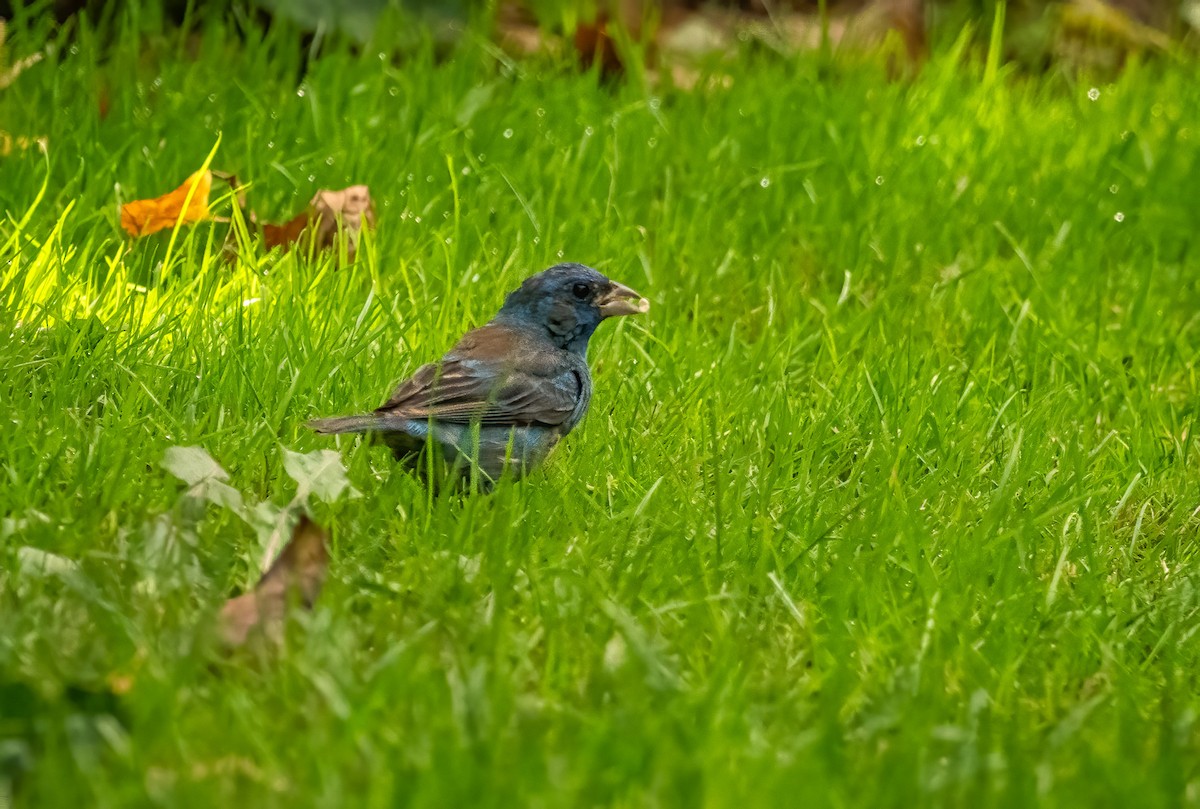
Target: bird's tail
column 346, row 424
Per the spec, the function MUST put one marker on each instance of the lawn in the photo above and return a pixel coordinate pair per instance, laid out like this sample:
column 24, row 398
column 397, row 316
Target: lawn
column 891, row 499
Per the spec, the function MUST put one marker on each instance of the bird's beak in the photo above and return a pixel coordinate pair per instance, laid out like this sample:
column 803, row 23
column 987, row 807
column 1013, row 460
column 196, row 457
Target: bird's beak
column 619, row 299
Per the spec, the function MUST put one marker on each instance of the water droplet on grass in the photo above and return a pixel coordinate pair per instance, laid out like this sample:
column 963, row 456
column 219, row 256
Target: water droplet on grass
column 765, row 182
column 541, row 113
column 879, row 180
column 920, row 140
column 508, row 133
column 312, row 178
column 300, row 92
column 329, row 161
column 1119, row 216
column 1094, row 93
column 1112, row 189
column 393, row 91
column 589, row 131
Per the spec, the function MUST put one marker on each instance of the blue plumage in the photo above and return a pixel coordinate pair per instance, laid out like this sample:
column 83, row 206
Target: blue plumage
column 508, row 391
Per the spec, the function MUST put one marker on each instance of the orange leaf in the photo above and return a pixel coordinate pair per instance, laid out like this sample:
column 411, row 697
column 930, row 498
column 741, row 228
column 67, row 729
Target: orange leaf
column 145, row 216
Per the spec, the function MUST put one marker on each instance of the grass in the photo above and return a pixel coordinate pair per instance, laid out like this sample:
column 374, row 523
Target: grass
column 891, row 499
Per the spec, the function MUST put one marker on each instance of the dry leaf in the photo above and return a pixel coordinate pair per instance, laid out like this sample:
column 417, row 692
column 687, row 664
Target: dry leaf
column 145, row 216
column 348, row 209
column 518, row 31
column 300, row 569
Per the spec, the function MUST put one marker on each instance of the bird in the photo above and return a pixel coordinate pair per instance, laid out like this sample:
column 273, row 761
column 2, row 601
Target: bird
column 502, row 398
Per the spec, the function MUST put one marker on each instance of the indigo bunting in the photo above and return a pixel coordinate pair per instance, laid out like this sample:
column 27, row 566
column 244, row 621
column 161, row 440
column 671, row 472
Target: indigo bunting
column 509, row 390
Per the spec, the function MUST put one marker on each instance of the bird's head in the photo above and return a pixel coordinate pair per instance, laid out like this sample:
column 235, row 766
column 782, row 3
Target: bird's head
column 569, row 301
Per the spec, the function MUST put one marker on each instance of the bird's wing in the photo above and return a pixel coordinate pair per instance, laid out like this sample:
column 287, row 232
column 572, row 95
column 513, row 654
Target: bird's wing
column 463, row 390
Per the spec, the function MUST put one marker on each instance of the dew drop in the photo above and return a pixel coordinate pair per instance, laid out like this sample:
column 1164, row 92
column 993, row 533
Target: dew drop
column 382, row 56
column 1094, row 93
column 652, row 142
column 655, row 104
column 449, row 240
column 312, row 178
column 920, row 140
column 428, row 178
column 541, row 113
column 764, row 182
column 508, row 133
column 466, row 170
column 329, row 161
column 879, row 180
column 417, row 219
column 559, row 253
column 212, row 97
column 537, row 240
column 300, row 92
column 1112, row 189
column 589, row 131
column 270, row 144
column 1119, row 216
column 393, row 91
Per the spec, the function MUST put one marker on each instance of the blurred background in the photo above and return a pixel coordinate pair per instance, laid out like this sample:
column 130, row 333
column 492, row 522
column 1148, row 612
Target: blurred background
column 675, row 35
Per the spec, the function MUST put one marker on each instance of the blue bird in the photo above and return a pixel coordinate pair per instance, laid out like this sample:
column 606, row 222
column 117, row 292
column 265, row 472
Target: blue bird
column 509, row 390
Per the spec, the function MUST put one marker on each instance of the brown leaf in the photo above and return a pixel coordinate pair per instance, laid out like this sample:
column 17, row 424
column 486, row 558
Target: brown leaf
column 596, row 41
column 145, row 216
column 300, row 569
column 518, row 32
column 595, row 44
column 329, row 211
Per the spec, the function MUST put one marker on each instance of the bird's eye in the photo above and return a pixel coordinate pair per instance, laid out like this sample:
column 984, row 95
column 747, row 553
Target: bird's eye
column 581, row 291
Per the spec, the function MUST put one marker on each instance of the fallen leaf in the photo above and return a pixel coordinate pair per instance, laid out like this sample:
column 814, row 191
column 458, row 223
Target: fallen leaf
column 518, row 31
column 348, row 209
column 204, row 476
column 595, row 45
column 300, row 569
column 145, row 216
column 319, row 472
